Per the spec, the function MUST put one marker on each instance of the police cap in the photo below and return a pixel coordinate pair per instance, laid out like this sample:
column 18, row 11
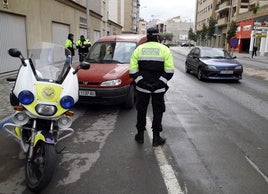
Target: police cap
column 152, row 31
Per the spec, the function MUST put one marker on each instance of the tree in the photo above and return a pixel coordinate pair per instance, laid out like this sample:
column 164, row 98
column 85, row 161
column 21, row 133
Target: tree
column 211, row 27
column 165, row 36
column 192, row 35
column 204, row 33
column 232, row 31
column 198, row 37
column 255, row 7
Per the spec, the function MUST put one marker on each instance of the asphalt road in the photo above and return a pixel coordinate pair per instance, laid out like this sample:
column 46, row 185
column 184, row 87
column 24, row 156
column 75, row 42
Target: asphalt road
column 219, row 144
column 216, row 142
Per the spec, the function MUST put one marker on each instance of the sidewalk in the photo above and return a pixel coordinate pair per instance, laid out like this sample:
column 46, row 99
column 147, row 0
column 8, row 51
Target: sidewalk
column 5, row 107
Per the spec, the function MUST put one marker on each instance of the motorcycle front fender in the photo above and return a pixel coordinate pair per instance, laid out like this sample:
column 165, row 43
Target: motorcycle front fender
column 45, row 137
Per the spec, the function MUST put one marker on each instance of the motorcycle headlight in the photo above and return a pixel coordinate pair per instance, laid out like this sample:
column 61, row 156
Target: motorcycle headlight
column 26, row 97
column 46, row 110
column 115, row 82
column 67, row 102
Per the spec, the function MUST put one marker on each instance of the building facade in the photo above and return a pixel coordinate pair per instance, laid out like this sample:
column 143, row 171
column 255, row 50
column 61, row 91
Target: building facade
column 131, row 16
column 179, row 28
column 250, row 17
column 142, row 27
column 24, row 23
column 204, row 10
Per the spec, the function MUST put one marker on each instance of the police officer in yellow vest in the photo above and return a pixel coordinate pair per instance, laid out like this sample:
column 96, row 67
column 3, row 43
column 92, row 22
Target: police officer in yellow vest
column 69, row 43
column 82, row 44
column 151, row 66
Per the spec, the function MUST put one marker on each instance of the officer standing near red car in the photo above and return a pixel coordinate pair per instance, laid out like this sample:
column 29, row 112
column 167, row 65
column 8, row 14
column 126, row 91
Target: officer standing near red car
column 151, row 66
column 83, row 45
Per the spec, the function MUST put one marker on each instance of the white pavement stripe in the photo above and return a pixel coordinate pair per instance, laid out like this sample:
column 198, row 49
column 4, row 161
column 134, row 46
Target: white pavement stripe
column 257, row 169
column 168, row 174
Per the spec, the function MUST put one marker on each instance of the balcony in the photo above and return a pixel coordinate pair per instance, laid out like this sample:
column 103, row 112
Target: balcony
column 223, row 6
column 244, row 2
column 222, row 22
column 252, row 2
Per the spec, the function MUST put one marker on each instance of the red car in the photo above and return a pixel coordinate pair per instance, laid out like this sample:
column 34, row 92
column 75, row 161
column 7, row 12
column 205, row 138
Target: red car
column 107, row 80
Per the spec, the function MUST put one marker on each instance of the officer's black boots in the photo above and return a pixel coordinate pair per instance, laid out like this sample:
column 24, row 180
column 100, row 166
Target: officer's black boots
column 157, row 140
column 139, row 137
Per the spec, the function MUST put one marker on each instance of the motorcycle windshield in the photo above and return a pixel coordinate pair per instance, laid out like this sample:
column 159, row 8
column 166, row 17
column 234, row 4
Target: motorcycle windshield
column 51, row 62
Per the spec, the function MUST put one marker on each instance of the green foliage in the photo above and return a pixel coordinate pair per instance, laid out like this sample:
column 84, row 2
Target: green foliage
column 211, row 27
column 165, row 36
column 232, row 31
column 255, row 8
column 204, row 31
column 192, row 35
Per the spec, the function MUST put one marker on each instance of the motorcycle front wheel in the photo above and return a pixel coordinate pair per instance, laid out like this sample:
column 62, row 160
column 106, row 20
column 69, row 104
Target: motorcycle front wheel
column 40, row 169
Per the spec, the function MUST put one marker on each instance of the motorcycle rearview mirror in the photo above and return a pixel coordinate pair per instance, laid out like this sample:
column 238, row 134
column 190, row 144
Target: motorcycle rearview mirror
column 84, row 65
column 13, row 52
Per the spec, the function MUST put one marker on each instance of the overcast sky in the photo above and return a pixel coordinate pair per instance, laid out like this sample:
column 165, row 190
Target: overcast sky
column 165, row 9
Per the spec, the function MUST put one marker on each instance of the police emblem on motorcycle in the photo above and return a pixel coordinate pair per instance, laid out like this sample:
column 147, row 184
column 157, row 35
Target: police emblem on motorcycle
column 48, row 92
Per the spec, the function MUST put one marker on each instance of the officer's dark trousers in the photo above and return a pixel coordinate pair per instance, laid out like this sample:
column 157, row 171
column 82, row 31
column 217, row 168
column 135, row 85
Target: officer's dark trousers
column 82, row 56
column 158, row 105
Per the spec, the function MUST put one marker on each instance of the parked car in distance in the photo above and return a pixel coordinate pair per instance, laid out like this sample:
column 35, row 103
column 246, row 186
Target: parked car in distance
column 107, row 81
column 213, row 63
column 187, row 44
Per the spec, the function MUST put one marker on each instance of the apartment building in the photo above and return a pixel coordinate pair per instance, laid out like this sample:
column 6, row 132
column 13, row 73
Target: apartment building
column 179, row 28
column 249, row 15
column 204, row 10
column 23, row 23
column 142, row 27
column 131, row 16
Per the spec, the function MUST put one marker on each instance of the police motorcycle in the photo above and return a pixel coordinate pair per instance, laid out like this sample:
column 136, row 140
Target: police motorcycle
column 45, row 88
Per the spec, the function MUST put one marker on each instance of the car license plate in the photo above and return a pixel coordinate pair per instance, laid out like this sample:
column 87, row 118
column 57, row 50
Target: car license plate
column 87, row 93
column 227, row 72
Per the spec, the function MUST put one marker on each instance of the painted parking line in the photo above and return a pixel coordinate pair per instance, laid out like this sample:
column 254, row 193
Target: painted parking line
column 166, row 169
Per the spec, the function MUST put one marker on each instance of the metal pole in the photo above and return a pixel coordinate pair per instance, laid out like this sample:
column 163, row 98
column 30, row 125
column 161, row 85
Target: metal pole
column 88, row 21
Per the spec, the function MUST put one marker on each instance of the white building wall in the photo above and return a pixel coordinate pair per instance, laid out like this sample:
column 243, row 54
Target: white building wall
column 178, row 28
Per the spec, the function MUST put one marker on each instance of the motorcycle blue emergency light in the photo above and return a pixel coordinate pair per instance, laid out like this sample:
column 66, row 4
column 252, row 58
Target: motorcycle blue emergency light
column 67, row 102
column 26, row 97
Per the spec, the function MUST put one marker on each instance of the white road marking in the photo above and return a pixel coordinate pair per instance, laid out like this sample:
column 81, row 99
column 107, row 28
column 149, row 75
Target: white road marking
column 257, row 169
column 168, row 174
